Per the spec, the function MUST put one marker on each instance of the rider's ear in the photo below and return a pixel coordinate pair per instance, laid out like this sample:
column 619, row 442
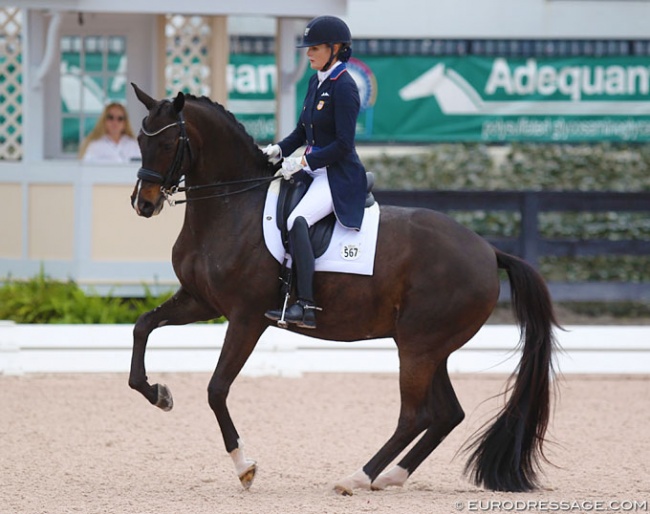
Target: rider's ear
column 179, row 101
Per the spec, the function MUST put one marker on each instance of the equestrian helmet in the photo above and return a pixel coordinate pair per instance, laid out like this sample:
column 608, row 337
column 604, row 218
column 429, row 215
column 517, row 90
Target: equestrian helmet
column 325, row 29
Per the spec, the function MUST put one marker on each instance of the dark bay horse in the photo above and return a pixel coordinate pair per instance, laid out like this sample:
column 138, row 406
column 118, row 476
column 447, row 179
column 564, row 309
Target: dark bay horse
column 435, row 284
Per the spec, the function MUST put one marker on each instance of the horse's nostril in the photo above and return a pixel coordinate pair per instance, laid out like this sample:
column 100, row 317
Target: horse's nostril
column 145, row 208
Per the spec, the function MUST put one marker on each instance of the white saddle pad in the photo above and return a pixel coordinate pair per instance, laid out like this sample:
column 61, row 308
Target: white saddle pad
column 350, row 251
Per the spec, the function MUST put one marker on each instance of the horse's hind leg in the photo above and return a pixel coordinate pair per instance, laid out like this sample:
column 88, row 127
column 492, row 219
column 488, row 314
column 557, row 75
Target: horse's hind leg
column 416, row 372
column 446, row 414
column 180, row 309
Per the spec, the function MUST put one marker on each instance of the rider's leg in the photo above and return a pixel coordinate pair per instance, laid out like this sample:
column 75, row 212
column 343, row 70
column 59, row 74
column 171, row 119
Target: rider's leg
column 315, row 205
column 303, row 312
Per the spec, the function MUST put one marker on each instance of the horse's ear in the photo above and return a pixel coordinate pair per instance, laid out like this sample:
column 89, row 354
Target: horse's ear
column 143, row 97
column 179, row 101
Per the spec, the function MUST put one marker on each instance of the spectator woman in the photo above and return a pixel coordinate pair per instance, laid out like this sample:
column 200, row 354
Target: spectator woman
column 112, row 139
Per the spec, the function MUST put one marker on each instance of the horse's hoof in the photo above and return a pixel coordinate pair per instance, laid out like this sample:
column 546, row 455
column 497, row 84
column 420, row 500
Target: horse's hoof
column 343, row 490
column 247, row 477
column 358, row 480
column 165, row 400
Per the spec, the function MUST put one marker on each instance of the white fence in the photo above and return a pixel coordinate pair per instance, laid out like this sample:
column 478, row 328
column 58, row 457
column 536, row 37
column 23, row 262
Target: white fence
column 74, row 221
column 195, row 348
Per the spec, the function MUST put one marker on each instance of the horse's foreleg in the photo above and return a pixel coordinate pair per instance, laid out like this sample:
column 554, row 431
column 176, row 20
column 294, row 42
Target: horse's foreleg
column 241, row 338
column 180, row 309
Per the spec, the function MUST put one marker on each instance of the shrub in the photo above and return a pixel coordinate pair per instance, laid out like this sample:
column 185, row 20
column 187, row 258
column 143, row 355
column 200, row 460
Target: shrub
column 520, row 166
column 43, row 300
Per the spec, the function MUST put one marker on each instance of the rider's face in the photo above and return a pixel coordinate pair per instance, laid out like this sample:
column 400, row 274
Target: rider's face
column 319, row 55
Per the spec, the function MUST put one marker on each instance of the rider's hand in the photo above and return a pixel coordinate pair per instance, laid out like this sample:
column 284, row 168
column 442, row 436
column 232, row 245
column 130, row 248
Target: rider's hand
column 273, row 153
column 291, row 165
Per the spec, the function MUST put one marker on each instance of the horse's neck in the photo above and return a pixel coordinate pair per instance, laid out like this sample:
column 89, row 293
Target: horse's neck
column 227, row 217
column 227, row 210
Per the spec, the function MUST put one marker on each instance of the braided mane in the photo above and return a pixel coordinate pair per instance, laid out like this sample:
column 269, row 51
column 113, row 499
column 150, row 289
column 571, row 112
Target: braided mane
column 237, row 126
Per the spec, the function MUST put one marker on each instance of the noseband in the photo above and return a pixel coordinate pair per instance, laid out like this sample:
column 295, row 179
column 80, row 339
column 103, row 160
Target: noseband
column 169, row 182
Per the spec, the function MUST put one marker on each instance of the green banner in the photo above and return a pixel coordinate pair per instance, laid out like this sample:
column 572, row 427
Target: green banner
column 426, row 99
column 251, row 94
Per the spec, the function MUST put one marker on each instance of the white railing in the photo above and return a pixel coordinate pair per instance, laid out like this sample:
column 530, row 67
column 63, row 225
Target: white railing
column 74, row 221
column 195, row 348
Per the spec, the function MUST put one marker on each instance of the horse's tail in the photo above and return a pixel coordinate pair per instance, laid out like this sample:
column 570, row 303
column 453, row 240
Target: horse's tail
column 506, row 455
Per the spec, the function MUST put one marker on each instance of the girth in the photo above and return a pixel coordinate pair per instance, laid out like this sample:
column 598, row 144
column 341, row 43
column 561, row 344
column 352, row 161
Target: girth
column 291, row 192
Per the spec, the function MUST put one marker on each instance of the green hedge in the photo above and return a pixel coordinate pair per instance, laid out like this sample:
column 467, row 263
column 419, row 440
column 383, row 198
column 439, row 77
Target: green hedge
column 537, row 167
column 43, row 300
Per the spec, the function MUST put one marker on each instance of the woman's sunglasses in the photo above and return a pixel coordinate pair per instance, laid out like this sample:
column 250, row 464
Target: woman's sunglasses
column 110, row 117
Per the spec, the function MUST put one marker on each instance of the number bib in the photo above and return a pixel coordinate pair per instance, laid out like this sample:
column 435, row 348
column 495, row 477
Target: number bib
column 350, row 252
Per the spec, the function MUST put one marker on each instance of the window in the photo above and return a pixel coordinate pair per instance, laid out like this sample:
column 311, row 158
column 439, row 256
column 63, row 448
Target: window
column 93, row 74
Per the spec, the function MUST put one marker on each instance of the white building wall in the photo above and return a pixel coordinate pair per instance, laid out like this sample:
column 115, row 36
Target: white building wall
column 528, row 19
column 499, row 18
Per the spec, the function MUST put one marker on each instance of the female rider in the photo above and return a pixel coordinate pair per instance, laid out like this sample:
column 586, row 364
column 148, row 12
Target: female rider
column 326, row 127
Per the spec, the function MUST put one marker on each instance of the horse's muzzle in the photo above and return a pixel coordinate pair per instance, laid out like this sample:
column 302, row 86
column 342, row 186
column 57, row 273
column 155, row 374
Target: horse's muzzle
column 146, row 201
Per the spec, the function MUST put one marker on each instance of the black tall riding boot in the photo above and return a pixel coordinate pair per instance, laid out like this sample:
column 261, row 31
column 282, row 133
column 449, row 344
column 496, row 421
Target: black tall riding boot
column 303, row 312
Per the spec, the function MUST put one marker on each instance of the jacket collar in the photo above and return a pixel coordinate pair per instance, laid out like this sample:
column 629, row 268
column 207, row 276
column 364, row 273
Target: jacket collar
column 333, row 73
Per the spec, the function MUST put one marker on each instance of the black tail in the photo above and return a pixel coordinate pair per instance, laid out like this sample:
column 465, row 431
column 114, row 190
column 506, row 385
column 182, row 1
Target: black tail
column 506, row 455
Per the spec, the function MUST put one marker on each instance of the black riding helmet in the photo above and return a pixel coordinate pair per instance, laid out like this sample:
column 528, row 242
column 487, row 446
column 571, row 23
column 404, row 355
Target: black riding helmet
column 328, row 30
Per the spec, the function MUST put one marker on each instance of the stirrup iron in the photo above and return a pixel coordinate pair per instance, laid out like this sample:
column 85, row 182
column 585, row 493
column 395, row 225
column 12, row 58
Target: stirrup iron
column 281, row 322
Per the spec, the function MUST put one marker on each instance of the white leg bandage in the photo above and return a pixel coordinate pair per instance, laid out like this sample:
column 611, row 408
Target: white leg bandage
column 395, row 476
column 242, row 464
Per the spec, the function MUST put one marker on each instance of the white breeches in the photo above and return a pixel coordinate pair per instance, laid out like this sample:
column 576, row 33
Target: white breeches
column 316, row 204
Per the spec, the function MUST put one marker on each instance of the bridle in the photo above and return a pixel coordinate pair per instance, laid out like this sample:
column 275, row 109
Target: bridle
column 170, row 182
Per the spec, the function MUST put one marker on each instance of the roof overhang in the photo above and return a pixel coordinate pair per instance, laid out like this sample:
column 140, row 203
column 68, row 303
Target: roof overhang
column 279, row 8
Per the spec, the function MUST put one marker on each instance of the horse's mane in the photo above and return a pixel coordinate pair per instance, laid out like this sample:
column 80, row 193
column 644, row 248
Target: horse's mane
column 237, row 126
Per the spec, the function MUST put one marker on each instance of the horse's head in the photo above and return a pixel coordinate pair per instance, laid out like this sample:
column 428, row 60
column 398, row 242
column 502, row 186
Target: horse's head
column 165, row 149
column 222, row 159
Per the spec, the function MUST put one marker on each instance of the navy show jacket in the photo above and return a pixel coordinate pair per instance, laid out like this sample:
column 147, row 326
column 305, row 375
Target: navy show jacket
column 327, row 123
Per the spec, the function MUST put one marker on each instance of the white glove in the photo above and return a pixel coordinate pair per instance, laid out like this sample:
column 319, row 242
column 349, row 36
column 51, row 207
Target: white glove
column 291, row 165
column 273, row 153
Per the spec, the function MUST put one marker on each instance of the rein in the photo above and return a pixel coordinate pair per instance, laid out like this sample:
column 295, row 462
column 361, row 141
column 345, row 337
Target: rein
column 259, row 182
column 169, row 185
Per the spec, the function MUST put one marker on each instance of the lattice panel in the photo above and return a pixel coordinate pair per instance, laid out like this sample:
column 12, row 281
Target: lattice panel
column 188, row 43
column 11, row 91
